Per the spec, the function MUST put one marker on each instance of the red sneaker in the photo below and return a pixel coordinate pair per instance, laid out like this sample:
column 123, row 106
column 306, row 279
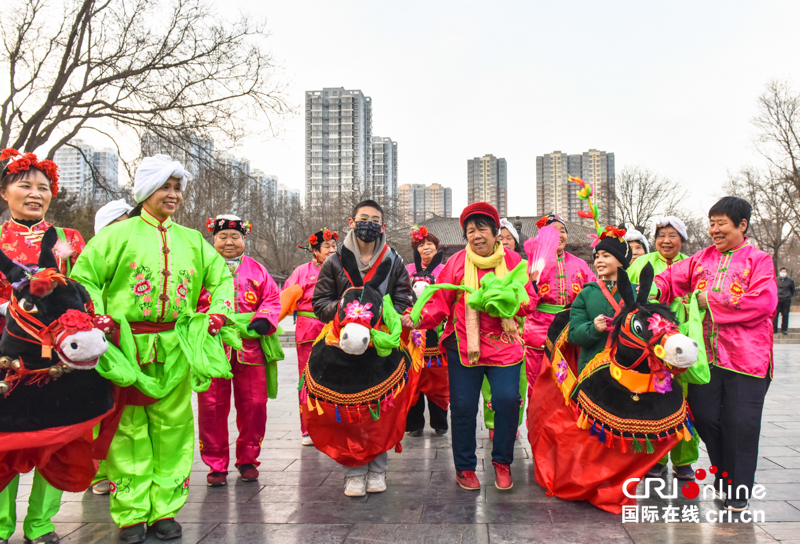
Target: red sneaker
column 468, row 480
column 249, row 473
column 491, row 434
column 216, row 479
column 502, row 475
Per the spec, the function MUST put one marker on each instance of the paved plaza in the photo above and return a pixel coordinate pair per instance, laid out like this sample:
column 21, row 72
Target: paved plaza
column 299, row 498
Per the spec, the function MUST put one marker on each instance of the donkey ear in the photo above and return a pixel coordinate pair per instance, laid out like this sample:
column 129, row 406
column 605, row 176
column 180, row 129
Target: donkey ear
column 11, row 270
column 351, row 267
column 436, row 261
column 382, row 273
column 46, row 258
column 645, row 283
column 418, row 261
column 625, row 288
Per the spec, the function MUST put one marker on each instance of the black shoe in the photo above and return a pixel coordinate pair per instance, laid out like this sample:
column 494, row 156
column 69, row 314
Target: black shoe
column 657, row 471
column 49, row 538
column 736, row 505
column 416, row 434
column 167, row 529
column 133, row 534
column 440, row 432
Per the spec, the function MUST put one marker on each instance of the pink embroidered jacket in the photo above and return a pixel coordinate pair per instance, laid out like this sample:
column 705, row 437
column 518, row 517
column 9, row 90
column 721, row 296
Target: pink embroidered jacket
column 497, row 349
column 255, row 291
column 558, row 287
column 742, row 297
column 307, row 328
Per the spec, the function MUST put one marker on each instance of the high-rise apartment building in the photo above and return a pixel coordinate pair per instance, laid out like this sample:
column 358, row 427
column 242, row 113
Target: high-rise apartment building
column 384, row 168
column 86, row 172
column 338, row 143
column 419, row 202
column 487, row 181
column 555, row 193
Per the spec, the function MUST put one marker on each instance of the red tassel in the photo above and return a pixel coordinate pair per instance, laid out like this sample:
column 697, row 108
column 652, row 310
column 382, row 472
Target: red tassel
column 610, row 439
column 398, row 448
column 623, row 446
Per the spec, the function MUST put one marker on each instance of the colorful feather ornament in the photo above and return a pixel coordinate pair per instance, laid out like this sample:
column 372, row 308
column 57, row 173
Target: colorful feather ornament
column 542, row 251
column 585, row 193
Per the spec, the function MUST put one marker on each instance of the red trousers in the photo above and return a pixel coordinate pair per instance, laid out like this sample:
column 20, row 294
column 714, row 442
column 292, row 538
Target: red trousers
column 303, row 353
column 534, row 359
column 250, row 398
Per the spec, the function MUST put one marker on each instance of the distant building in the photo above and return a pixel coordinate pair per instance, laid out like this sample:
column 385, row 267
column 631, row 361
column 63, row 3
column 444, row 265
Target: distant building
column 555, row 193
column 287, row 194
column 338, row 143
column 90, row 174
column 267, row 182
column 192, row 151
column 487, row 181
column 384, row 168
column 419, row 202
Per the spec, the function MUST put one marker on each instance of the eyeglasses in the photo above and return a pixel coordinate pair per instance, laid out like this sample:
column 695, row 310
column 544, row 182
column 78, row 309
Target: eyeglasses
column 377, row 220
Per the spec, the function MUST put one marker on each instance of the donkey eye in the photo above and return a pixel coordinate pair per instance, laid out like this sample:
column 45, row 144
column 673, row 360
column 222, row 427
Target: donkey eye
column 29, row 306
column 637, row 327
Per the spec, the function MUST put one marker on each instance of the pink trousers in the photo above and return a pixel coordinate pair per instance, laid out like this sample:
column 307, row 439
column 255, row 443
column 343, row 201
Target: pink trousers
column 250, row 398
column 303, row 353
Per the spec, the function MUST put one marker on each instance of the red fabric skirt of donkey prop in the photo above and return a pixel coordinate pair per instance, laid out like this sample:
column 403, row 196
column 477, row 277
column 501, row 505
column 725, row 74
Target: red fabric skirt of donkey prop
column 572, row 464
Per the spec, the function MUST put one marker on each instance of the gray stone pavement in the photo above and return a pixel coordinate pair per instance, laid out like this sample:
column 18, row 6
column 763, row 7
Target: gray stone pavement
column 299, row 498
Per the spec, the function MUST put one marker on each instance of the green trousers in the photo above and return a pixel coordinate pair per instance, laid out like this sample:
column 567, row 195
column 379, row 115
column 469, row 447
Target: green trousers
column 486, row 391
column 150, row 459
column 685, row 453
column 43, row 504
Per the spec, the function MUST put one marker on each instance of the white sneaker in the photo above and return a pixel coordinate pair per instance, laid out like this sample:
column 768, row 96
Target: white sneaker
column 307, row 441
column 355, row 486
column 103, row 487
column 376, row 482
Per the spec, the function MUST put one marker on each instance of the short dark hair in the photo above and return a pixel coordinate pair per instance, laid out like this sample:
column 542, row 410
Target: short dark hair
column 480, row 220
column 365, row 204
column 734, row 207
column 783, row 268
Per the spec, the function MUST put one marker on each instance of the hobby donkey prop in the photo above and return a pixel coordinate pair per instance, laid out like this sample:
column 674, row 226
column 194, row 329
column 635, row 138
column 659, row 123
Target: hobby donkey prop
column 359, row 384
column 50, row 393
column 622, row 413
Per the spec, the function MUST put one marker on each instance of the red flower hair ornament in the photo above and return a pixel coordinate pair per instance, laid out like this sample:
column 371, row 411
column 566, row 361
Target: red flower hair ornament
column 418, row 233
column 19, row 163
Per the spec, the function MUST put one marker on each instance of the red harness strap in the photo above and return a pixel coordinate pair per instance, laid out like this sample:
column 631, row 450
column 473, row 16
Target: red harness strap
column 372, row 270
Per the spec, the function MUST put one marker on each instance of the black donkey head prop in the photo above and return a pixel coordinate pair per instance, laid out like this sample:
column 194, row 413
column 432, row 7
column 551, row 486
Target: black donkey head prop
column 646, row 337
column 361, row 306
column 48, row 330
column 423, row 276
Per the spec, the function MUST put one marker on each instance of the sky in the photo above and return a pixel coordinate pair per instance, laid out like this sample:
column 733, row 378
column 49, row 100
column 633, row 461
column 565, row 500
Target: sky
column 672, row 86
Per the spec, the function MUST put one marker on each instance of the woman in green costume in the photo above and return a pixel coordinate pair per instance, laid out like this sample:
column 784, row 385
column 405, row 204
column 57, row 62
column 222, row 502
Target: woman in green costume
column 670, row 235
column 146, row 273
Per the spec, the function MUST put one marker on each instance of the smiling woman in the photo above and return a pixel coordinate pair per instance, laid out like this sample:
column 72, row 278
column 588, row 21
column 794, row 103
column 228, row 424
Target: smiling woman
column 28, row 186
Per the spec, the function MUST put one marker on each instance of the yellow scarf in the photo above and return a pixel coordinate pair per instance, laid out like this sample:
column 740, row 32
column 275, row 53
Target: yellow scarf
column 496, row 261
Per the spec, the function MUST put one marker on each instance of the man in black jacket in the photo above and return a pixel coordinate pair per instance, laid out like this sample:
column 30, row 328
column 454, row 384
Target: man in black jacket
column 367, row 241
column 785, row 294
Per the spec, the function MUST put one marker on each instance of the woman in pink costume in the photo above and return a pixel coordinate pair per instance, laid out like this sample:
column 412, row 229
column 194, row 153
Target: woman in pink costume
column 296, row 296
column 556, row 288
column 256, row 292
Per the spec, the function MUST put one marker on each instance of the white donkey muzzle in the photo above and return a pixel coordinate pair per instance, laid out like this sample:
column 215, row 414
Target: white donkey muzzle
column 82, row 349
column 681, row 351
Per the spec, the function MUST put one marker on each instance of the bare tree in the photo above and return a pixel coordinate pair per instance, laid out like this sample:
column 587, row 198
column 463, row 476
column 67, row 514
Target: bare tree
column 641, row 194
column 769, row 194
column 169, row 68
column 779, row 124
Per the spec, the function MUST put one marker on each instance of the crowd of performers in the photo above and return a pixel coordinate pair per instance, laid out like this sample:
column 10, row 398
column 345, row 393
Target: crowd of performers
column 375, row 338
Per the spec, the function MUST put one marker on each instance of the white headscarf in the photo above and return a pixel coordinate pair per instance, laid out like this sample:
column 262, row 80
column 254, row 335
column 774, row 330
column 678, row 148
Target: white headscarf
column 669, row 221
column 110, row 213
column 633, row 235
column 152, row 174
column 506, row 224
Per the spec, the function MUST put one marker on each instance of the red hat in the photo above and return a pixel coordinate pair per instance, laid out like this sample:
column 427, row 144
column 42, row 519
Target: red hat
column 483, row 208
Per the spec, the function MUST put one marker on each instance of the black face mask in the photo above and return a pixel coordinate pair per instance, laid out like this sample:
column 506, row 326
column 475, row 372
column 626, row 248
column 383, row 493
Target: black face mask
column 367, row 231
